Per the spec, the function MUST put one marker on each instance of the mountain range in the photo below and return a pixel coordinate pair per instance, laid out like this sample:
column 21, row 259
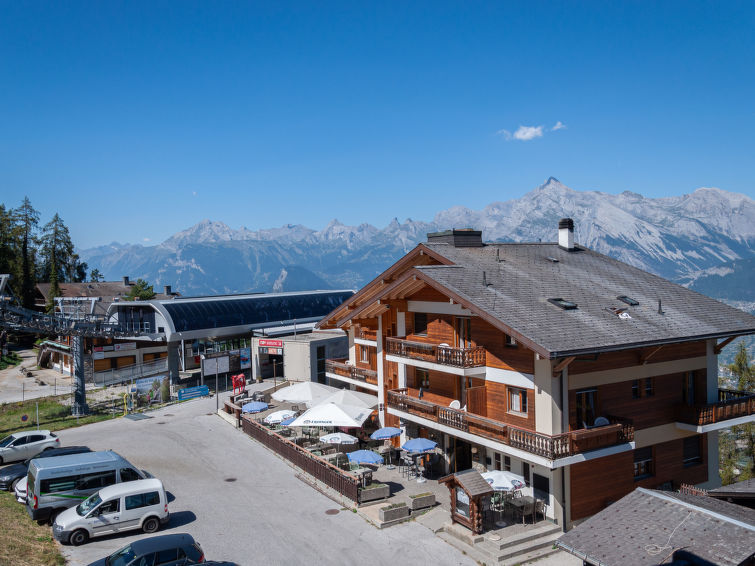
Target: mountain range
column 692, row 238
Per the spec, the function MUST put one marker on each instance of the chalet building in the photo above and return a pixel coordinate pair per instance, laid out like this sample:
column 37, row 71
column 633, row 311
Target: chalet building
column 586, row 375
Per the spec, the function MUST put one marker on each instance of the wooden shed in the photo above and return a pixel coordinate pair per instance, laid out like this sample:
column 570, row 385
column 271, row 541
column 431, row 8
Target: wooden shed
column 469, row 494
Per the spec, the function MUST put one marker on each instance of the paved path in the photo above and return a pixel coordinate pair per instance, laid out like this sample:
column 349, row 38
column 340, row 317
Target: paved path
column 14, row 386
column 243, row 503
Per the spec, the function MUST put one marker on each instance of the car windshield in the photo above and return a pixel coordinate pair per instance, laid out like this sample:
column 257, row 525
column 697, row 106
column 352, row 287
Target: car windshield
column 121, row 558
column 6, row 441
column 88, row 504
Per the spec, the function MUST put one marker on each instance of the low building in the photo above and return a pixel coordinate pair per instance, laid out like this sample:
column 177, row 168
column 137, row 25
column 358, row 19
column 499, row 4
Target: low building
column 587, row 376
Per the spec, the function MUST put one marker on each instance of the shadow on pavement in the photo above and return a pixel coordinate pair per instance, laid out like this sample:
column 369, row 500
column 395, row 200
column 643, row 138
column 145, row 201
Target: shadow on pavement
column 181, row 518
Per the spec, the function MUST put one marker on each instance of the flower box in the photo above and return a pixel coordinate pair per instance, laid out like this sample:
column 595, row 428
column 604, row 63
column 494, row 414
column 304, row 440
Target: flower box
column 393, row 512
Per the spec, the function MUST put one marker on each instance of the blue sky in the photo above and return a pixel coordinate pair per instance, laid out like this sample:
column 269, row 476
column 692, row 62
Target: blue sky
column 134, row 120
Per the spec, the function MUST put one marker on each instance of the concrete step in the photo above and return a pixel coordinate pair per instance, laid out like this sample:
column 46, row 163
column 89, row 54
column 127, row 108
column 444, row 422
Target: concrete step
column 530, row 557
column 471, row 551
column 516, row 551
column 532, row 534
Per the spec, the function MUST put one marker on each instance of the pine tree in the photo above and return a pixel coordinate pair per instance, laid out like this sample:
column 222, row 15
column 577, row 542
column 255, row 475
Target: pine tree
column 54, row 290
column 744, row 372
column 26, row 220
column 7, row 247
column 56, row 250
column 95, row 276
column 141, row 291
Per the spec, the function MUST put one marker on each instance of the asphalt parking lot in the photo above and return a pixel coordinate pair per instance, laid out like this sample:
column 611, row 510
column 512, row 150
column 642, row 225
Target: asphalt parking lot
column 241, row 502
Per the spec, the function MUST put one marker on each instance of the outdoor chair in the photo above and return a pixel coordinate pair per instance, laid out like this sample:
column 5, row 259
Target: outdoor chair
column 540, row 508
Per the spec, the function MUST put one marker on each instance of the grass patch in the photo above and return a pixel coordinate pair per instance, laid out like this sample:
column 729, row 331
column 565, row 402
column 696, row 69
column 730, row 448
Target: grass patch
column 12, row 359
column 22, row 541
column 53, row 415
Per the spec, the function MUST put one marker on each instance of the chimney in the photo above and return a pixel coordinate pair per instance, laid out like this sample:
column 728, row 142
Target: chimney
column 458, row 238
column 167, row 290
column 125, row 281
column 566, row 234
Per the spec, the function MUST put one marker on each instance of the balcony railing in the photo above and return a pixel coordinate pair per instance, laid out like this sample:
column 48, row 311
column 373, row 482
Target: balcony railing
column 731, row 405
column 439, row 354
column 551, row 447
column 340, row 367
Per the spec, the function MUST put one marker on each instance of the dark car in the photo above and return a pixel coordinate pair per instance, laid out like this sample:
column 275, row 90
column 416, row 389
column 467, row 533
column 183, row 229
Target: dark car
column 10, row 475
column 177, row 549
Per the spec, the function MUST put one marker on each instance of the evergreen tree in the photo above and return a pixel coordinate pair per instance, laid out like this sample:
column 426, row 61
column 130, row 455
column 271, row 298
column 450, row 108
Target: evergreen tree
column 744, row 372
column 56, row 250
column 95, row 276
column 7, row 247
column 140, row 291
column 54, row 289
column 26, row 220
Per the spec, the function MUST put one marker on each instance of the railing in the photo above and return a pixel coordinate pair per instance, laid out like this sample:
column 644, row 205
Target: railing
column 127, row 373
column 340, row 367
column 731, row 405
column 445, row 355
column 620, row 431
column 339, row 480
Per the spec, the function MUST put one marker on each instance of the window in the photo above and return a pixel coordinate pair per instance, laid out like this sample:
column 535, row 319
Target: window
column 643, row 463
column 642, row 388
column 563, row 303
column 96, row 481
column 648, row 387
column 320, row 353
column 463, row 332
column 691, row 452
column 509, row 341
column 628, row 300
column 112, row 506
column 423, row 377
column 586, row 406
column 636, row 389
column 497, row 461
column 364, row 354
column 129, row 474
column 526, row 473
column 420, row 323
column 507, row 463
column 166, row 556
column 517, row 400
column 142, row 500
column 688, row 388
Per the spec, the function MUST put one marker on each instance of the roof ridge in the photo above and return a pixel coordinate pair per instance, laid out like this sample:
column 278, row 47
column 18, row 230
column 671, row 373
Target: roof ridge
column 713, row 514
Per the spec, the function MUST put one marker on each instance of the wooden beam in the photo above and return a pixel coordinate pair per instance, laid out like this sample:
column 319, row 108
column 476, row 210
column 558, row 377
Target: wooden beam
column 720, row 346
column 645, row 357
column 563, row 363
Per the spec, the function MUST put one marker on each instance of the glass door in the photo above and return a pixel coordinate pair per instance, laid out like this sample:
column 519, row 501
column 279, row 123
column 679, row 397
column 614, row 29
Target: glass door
column 463, row 333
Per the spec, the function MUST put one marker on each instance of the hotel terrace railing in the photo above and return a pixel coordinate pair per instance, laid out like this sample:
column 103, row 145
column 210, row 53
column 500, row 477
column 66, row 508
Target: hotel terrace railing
column 445, row 355
column 551, row 447
column 340, row 367
column 731, row 405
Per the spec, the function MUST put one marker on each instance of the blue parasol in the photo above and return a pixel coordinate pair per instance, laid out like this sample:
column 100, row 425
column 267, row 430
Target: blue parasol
column 365, row 457
column 385, row 433
column 288, row 421
column 419, row 445
column 254, row 407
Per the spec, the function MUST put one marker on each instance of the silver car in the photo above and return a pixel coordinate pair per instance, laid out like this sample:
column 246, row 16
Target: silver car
column 25, row 445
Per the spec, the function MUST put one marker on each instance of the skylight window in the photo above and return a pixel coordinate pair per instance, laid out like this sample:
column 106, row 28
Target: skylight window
column 563, row 303
column 628, row 300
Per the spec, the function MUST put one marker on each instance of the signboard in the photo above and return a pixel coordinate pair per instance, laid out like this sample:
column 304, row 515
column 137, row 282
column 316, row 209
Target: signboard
column 274, row 343
column 98, row 355
column 271, row 351
column 151, row 389
column 103, row 348
column 245, row 358
column 125, row 346
column 193, row 392
column 215, row 365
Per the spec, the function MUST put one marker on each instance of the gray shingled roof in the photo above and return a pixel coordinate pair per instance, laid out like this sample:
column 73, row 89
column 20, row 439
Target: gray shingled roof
column 519, row 279
column 473, row 482
column 646, row 527
column 744, row 487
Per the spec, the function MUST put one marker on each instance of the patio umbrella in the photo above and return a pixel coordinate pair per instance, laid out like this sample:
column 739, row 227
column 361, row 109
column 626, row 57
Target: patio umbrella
column 501, row 480
column 419, row 445
column 288, row 421
column 346, row 397
column 254, row 407
column 330, row 414
column 279, row 416
column 339, row 438
column 303, row 392
column 365, row 457
column 385, row 433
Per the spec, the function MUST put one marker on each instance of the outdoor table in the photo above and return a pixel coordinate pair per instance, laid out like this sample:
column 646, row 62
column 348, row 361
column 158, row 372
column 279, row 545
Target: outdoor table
column 365, row 475
column 522, row 502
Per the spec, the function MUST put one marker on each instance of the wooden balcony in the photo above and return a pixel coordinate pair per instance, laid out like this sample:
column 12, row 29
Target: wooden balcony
column 551, row 447
column 436, row 353
column 340, row 367
column 367, row 334
column 731, row 405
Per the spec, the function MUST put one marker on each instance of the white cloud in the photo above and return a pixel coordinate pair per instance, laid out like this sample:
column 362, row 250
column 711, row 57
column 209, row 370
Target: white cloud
column 559, row 126
column 524, row 133
column 194, row 193
column 146, row 239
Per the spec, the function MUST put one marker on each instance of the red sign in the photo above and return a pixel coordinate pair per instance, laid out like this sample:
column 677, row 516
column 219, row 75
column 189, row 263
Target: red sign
column 274, row 343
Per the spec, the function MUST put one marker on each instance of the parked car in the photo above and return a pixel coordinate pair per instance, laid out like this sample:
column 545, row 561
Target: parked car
column 178, row 549
column 140, row 504
column 10, row 475
column 55, row 484
column 26, row 444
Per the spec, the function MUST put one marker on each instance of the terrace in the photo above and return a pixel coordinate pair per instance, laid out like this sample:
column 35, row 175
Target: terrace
column 441, row 354
column 551, row 447
column 733, row 407
column 341, row 369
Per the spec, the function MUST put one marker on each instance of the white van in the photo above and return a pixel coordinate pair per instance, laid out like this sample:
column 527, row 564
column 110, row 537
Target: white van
column 122, row 507
column 55, row 484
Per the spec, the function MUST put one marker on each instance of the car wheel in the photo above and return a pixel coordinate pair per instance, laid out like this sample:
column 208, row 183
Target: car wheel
column 14, row 484
column 150, row 525
column 53, row 515
column 1, row 461
column 79, row 537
